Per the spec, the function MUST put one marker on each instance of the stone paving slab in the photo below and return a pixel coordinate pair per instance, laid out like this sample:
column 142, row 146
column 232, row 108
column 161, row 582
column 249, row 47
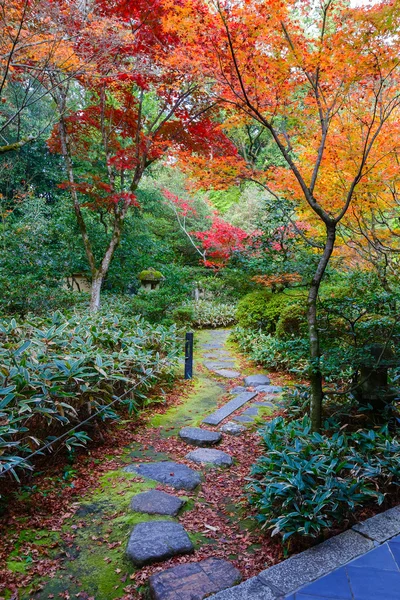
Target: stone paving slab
column 209, row 456
column 194, row 581
column 381, row 527
column 228, row 408
column 256, row 380
column 171, row 473
column 232, row 428
column 200, row 437
column 156, row 502
column 227, row 373
column 157, row 540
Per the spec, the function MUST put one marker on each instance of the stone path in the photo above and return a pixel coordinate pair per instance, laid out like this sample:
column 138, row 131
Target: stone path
column 129, row 521
column 155, row 541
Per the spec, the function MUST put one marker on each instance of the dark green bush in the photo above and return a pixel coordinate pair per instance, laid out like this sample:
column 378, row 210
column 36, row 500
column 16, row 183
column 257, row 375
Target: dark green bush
column 261, row 310
column 307, row 482
column 292, row 320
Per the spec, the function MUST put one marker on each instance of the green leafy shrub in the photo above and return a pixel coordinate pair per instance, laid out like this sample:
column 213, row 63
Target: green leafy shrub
column 261, row 310
column 307, row 482
column 280, row 354
column 56, row 372
column 212, row 314
column 183, row 315
column 292, row 321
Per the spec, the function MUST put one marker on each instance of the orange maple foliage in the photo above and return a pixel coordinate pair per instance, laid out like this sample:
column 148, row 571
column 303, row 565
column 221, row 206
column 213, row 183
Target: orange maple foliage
column 323, row 81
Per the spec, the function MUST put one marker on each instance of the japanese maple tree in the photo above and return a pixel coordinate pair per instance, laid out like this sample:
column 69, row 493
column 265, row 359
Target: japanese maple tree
column 140, row 110
column 321, row 81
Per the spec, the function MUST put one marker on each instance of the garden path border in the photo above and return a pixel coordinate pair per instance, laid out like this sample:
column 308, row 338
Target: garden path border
column 283, row 580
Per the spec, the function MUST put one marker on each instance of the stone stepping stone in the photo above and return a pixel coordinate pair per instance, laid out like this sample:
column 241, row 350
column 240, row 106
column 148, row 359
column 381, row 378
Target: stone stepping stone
column 244, row 419
column 200, row 437
column 232, row 428
column 157, row 540
column 209, row 456
column 270, row 389
column 228, row 408
column 227, row 373
column 251, row 412
column 238, row 389
column 194, row 581
column 219, row 365
column 178, row 476
column 156, row 502
column 256, row 380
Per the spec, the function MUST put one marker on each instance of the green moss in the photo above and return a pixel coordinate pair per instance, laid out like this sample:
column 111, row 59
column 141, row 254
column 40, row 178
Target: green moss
column 16, row 566
column 150, row 275
column 202, row 400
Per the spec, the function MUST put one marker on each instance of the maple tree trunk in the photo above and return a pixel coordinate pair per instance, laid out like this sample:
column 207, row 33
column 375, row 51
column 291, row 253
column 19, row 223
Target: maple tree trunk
column 100, row 273
column 315, row 350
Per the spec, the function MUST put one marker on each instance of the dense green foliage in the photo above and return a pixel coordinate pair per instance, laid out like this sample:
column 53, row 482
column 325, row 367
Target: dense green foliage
column 261, row 310
column 305, row 482
column 58, row 371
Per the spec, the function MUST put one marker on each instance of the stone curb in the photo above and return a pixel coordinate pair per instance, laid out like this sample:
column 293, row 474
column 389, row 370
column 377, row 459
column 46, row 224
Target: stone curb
column 293, row 573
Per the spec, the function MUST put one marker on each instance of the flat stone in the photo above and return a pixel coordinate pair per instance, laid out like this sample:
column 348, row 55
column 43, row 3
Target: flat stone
column 307, row 566
column 267, row 404
column 244, row 419
column 219, row 364
column 227, row 373
column 209, row 456
column 232, row 428
column 178, row 476
column 256, row 380
column 252, row 589
column 238, row 389
column 228, row 408
column 155, row 502
column 157, row 540
column 200, row 437
column 381, row 527
column 251, row 412
column 194, row 581
column 269, row 389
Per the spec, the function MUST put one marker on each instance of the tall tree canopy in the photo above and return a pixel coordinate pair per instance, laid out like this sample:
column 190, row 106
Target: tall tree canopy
column 321, row 82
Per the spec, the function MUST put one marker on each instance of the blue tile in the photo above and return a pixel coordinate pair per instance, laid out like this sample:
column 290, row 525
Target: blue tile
column 379, row 558
column 335, row 585
column 395, row 550
column 396, row 539
column 291, row 597
column 374, row 584
column 308, row 597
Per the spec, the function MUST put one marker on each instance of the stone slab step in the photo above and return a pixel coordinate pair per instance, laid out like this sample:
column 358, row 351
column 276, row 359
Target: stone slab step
column 194, row 581
column 178, row 476
column 232, row 428
column 228, row 408
column 157, row 540
column 227, row 373
column 256, row 380
column 156, row 502
column 209, row 456
column 200, row 437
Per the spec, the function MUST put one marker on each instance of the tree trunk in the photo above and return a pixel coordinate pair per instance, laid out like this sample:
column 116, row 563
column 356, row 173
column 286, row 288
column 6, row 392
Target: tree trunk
column 97, row 282
column 315, row 351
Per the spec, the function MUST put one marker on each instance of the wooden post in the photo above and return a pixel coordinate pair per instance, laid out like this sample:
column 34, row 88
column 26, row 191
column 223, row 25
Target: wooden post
column 189, row 356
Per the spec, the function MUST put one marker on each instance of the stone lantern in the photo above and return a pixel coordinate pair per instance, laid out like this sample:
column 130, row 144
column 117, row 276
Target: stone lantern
column 150, row 279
